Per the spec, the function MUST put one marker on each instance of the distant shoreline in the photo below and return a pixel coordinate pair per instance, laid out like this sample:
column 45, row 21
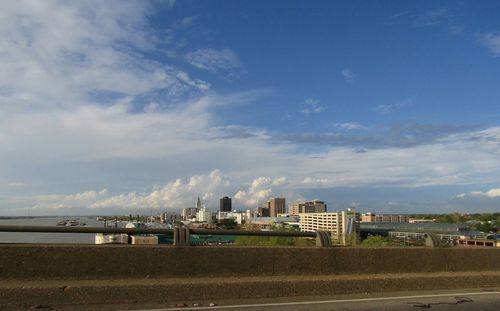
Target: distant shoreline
column 39, row 217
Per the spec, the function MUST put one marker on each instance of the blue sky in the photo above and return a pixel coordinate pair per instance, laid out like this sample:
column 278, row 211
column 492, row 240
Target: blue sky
column 120, row 106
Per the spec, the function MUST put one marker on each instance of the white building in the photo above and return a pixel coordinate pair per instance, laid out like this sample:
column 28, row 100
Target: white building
column 204, row 215
column 239, row 217
column 340, row 225
column 266, row 223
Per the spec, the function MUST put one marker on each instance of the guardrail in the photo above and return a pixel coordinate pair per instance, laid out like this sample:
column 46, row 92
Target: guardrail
column 181, row 234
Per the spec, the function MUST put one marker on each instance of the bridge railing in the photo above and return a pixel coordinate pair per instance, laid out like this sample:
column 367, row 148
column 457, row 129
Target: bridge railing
column 181, row 234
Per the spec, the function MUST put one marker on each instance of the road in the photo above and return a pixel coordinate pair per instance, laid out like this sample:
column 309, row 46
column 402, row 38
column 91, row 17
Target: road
column 457, row 300
column 478, row 299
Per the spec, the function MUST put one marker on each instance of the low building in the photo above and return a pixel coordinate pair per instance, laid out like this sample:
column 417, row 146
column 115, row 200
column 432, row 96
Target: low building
column 314, row 206
column 372, row 217
column 202, row 225
column 478, row 243
column 237, row 216
column 267, row 223
column 449, row 233
column 421, row 221
column 144, row 239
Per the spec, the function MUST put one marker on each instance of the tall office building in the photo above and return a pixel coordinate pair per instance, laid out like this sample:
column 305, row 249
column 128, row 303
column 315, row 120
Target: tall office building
column 314, row 206
column 225, row 204
column 276, row 206
column 198, row 204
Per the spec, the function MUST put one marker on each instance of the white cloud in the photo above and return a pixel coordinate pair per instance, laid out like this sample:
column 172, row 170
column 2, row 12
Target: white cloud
column 432, row 17
column 279, row 181
column 199, row 84
column 58, row 135
column 477, row 201
column 491, row 41
column 311, row 105
column 390, row 108
column 492, row 193
column 59, row 53
column 348, row 75
column 349, row 126
column 260, row 190
column 224, row 60
column 173, row 195
column 447, row 162
column 78, row 200
column 314, row 181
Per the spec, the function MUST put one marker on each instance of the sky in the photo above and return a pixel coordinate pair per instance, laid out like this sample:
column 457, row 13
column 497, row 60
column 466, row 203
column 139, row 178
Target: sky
column 119, row 107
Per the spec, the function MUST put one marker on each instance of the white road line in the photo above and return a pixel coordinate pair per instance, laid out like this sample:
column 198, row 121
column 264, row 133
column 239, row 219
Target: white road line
column 277, row 304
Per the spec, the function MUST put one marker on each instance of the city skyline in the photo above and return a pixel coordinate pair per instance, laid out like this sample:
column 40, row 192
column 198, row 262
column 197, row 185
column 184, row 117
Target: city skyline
column 119, row 107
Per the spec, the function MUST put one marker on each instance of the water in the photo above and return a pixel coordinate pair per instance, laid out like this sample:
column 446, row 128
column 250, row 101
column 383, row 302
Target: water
column 58, row 238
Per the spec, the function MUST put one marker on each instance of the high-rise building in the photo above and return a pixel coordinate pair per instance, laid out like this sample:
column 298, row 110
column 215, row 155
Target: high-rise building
column 276, row 206
column 314, row 206
column 198, row 204
column 225, row 204
column 261, row 212
column 204, row 215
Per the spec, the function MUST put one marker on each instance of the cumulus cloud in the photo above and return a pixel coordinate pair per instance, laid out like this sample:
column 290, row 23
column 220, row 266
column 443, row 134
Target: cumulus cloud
column 493, row 193
column 477, row 201
column 259, row 191
column 72, row 201
column 173, row 195
column 312, row 105
column 224, row 60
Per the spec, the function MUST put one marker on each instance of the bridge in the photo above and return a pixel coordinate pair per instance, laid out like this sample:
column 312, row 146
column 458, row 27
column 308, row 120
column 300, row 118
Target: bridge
column 71, row 275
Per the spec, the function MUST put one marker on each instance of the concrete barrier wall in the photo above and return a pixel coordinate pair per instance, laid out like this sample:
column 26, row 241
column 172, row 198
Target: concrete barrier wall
column 125, row 261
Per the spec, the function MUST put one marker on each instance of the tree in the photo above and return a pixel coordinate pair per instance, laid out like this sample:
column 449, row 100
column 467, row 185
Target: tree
column 375, row 240
column 265, row 241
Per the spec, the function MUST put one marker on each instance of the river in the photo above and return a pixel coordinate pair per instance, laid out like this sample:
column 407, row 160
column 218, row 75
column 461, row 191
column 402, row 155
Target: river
column 58, row 238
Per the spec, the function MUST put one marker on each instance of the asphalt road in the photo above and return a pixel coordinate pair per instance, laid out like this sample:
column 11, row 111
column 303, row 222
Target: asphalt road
column 478, row 299
column 457, row 300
